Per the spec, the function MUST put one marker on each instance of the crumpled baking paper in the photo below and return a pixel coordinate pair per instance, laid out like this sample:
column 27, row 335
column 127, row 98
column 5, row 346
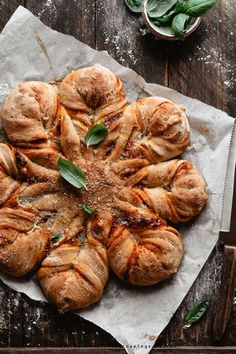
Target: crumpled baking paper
column 29, row 50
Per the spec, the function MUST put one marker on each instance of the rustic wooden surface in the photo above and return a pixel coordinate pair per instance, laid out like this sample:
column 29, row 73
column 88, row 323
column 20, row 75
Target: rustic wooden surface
column 227, row 290
column 203, row 67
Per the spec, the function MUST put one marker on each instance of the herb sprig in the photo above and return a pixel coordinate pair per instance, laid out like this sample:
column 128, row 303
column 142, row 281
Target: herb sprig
column 87, row 209
column 134, row 5
column 96, row 134
column 197, row 312
column 175, row 14
column 71, row 173
column 56, row 238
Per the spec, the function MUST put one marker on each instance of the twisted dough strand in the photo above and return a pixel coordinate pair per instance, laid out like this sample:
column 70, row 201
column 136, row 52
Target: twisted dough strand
column 175, row 189
column 154, row 128
column 144, row 255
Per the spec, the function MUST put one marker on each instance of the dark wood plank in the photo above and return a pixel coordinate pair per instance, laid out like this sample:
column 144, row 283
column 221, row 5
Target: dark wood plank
column 224, row 302
column 205, row 287
column 44, row 326
column 176, row 350
column 204, row 66
column 74, row 17
column 10, row 317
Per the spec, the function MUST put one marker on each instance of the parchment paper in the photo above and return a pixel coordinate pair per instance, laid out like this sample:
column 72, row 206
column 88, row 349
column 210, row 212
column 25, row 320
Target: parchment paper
column 29, row 50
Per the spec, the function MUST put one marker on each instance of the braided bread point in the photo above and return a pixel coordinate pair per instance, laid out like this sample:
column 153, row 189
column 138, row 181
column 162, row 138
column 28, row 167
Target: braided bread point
column 21, row 246
column 8, row 173
column 94, row 90
column 28, row 113
column 176, row 190
column 73, row 276
column 144, row 255
column 153, row 128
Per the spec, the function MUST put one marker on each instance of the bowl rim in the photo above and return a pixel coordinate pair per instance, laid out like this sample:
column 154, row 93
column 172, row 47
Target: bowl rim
column 162, row 35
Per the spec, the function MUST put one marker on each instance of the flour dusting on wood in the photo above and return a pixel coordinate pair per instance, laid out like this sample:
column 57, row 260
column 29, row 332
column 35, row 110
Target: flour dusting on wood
column 49, row 7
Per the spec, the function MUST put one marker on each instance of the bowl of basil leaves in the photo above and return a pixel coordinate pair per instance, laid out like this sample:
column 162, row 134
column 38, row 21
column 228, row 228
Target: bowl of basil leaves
column 171, row 19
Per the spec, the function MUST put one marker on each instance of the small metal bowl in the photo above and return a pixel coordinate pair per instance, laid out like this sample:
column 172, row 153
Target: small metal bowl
column 160, row 32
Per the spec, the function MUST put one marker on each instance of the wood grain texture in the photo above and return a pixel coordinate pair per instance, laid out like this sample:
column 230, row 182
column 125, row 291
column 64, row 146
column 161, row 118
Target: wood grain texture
column 71, row 17
column 203, row 67
column 6, row 10
column 159, row 350
column 225, row 299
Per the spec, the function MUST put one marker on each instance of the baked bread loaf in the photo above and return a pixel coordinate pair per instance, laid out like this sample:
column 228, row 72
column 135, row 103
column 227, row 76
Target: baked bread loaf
column 22, row 245
column 153, row 127
column 28, row 113
column 175, row 190
column 73, row 235
column 144, row 253
column 74, row 274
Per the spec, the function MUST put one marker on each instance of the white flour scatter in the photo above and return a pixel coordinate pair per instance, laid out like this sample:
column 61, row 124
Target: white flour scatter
column 3, row 322
column 216, row 59
column 121, row 51
column 121, row 34
column 48, row 7
column 143, row 31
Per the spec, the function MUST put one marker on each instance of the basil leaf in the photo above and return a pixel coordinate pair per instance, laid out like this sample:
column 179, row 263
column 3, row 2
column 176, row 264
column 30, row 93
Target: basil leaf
column 71, row 173
column 161, row 7
column 163, row 20
column 196, row 8
column 56, row 238
column 96, row 134
column 88, row 209
column 151, row 4
column 134, row 5
column 180, row 6
column 156, row 23
column 179, row 24
column 197, row 312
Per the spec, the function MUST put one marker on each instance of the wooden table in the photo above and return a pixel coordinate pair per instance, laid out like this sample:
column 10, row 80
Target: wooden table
column 203, row 67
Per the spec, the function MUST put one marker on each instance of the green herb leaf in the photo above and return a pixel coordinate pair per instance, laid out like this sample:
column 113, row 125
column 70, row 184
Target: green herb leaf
column 134, row 5
column 196, row 8
column 163, row 20
column 56, row 238
column 151, row 4
column 161, row 7
column 180, row 6
column 96, row 134
column 197, row 312
column 71, row 173
column 88, row 209
column 179, row 24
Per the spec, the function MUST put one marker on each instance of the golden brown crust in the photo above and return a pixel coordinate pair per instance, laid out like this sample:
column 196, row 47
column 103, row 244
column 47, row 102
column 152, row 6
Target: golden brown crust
column 73, row 276
column 8, row 173
column 22, row 247
column 129, row 187
column 153, row 127
column 28, row 113
column 145, row 255
column 94, row 90
column 175, row 189
column 93, row 86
